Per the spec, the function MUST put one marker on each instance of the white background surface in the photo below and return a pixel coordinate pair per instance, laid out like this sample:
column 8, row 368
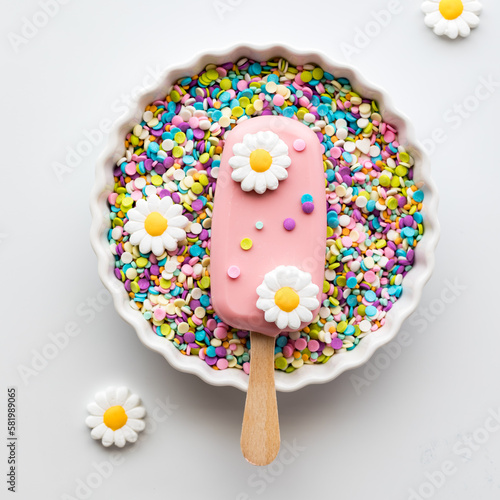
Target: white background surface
column 378, row 442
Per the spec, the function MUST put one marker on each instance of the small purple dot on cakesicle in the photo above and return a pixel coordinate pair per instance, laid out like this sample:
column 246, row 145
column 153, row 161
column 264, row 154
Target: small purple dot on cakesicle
column 299, row 145
column 308, row 207
column 289, row 224
column 233, row 272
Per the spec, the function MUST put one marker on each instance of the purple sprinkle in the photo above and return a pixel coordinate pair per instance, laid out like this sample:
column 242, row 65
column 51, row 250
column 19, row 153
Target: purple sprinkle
column 289, row 224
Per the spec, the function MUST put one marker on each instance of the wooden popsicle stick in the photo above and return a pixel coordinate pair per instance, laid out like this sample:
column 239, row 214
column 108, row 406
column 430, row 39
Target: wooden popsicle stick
column 260, row 433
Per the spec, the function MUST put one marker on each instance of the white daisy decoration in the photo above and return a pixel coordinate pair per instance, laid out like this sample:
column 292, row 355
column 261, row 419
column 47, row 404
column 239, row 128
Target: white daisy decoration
column 288, row 297
column 116, row 417
column 156, row 225
column 451, row 17
column 260, row 162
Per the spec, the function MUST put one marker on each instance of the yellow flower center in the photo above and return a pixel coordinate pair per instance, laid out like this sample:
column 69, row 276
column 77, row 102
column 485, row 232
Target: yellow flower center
column 260, row 160
column 115, row 417
column 287, row 299
column 155, row 224
column 451, row 9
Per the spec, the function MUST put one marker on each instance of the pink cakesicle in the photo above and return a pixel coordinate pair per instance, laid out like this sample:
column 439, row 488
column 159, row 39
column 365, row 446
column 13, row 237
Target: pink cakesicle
column 267, row 253
column 269, row 227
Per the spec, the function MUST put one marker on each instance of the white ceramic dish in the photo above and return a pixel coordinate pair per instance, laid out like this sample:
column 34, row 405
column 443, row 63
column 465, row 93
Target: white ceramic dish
column 308, row 374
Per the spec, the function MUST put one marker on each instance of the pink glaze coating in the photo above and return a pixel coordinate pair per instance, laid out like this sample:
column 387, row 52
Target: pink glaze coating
column 236, row 213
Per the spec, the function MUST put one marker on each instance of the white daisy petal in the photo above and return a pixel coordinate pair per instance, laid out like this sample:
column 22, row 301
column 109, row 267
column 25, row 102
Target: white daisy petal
column 440, row 27
column 145, row 244
column 95, row 409
column 157, row 245
column 137, row 412
column 271, row 315
column 250, row 141
column 132, row 401
column 248, row 182
column 265, row 304
column 111, row 396
column 429, row 7
column 119, row 438
column 260, row 183
column 282, row 320
column 452, row 29
column 309, row 291
column 282, row 161
column 293, row 320
column 136, row 424
column 130, row 435
column 108, row 437
column 176, row 233
column 310, row 302
column 142, row 207
column 101, row 400
column 178, row 221
column 165, row 204
column 271, row 281
column 280, row 173
column 267, row 140
column 304, row 314
column 474, row 7
column 470, row 18
column 239, row 174
column 238, row 161
column 135, row 215
column 264, row 292
column 432, row 18
column 133, row 226
column 280, row 149
column 168, row 242
column 154, row 203
column 271, row 180
column 241, row 149
column 98, row 432
column 122, row 394
column 136, row 238
column 463, row 27
column 93, row 421
column 172, row 212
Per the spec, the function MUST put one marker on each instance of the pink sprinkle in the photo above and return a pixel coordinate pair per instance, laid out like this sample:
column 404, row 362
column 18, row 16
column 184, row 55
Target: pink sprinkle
column 246, row 367
column 136, row 195
column 299, row 144
column 222, row 363
column 347, row 242
column 221, row 333
column 242, row 85
column 112, row 198
column 130, row 169
column 389, row 136
column 194, row 122
column 187, row 269
column 159, row 314
column 233, row 272
column 287, row 351
column 336, row 152
column 300, row 344
column 313, row 345
column 369, row 276
column 278, row 100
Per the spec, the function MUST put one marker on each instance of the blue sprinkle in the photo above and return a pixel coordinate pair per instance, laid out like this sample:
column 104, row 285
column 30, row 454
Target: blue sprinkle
column 370, row 296
column 306, row 197
column 418, row 196
column 371, row 311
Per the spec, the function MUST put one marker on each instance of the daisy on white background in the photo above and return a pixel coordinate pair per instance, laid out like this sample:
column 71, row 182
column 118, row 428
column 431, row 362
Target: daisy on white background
column 116, row 416
column 451, row 17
